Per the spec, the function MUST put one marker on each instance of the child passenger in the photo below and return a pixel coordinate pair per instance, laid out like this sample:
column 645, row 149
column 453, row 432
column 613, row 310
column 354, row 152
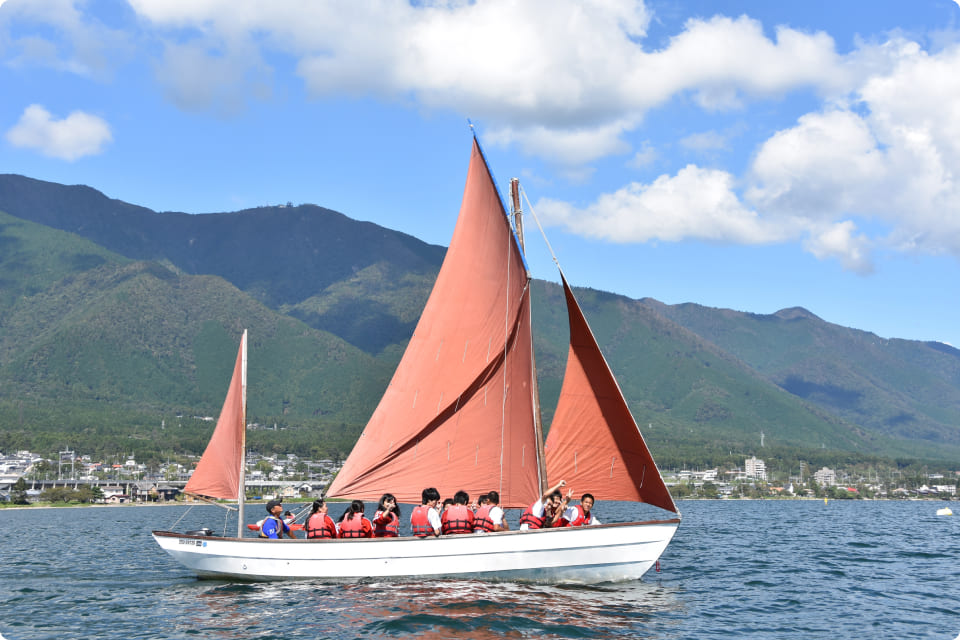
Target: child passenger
column 386, row 522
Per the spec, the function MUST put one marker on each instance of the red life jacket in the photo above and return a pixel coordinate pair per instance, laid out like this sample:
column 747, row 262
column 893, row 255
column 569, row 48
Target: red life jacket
column 386, row 524
column 320, row 525
column 532, row 521
column 356, row 527
column 420, row 522
column 583, row 517
column 456, row 519
column 482, row 521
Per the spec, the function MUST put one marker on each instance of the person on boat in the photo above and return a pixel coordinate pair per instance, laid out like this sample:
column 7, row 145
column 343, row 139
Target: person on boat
column 386, row 522
column 319, row 524
column 424, row 520
column 545, row 512
column 581, row 514
column 457, row 518
column 273, row 526
column 355, row 524
column 489, row 517
column 447, row 503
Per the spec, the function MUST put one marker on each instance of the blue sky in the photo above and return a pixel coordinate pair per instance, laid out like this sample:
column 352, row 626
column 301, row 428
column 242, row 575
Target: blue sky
column 745, row 155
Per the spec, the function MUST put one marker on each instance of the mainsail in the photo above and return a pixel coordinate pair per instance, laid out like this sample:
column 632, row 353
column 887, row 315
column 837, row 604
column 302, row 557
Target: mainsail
column 594, row 443
column 459, row 412
column 219, row 474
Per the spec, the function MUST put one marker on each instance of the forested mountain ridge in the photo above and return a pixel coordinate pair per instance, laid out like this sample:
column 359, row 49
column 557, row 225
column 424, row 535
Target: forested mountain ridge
column 113, row 315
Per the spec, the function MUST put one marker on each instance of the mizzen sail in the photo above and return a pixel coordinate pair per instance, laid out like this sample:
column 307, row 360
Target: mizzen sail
column 219, row 474
column 459, row 411
column 594, row 443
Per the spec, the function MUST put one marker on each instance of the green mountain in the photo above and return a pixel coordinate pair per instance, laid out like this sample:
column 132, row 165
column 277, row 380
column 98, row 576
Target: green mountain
column 119, row 325
column 900, row 388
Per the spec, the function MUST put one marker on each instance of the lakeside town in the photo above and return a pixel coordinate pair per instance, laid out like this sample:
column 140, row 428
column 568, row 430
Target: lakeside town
column 71, row 477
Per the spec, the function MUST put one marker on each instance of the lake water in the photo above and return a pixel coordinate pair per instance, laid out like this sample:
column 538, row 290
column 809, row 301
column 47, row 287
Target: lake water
column 736, row 569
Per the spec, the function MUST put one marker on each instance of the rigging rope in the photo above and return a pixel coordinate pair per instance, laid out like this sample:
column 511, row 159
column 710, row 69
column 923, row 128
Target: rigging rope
column 174, row 526
column 539, row 226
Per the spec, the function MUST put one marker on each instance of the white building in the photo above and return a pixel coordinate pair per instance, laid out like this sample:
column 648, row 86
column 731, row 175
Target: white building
column 754, row 468
column 826, row 477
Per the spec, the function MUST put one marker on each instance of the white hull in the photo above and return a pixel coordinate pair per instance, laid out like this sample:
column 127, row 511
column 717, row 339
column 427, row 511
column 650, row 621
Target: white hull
column 603, row 553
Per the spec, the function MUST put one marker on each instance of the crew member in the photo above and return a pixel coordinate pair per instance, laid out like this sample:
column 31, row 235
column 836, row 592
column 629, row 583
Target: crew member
column 424, row 520
column 489, row 517
column 386, row 522
column 273, row 526
column 457, row 518
column 580, row 515
column 319, row 524
column 546, row 511
column 355, row 524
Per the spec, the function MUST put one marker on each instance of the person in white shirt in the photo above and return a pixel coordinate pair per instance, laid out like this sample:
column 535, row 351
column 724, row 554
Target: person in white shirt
column 489, row 516
column 581, row 514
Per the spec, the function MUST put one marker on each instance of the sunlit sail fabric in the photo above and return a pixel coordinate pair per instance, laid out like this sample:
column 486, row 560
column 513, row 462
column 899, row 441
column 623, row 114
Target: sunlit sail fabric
column 218, row 473
column 594, row 443
column 459, row 411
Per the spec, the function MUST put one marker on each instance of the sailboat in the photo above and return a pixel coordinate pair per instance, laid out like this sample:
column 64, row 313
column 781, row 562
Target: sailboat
column 462, row 413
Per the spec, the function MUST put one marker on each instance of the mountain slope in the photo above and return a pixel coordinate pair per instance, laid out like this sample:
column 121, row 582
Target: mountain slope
column 140, row 317
column 280, row 255
column 900, row 388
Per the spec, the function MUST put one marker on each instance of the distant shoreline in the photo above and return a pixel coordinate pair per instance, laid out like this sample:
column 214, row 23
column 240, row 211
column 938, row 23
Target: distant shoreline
column 307, row 501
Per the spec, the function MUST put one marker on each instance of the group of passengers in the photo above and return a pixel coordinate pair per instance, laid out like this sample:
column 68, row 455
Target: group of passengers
column 456, row 516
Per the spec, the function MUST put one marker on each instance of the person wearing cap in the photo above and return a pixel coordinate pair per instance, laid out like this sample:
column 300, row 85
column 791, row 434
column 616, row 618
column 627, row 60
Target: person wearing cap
column 274, row 527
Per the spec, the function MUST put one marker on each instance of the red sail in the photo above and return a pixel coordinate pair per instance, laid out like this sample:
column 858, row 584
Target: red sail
column 459, row 411
column 594, row 443
column 218, row 473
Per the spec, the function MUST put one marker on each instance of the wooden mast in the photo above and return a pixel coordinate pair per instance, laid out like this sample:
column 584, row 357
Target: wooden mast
column 516, row 211
column 242, row 489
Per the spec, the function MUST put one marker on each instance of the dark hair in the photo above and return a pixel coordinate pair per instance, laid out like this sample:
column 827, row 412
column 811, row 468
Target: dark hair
column 588, row 495
column 493, row 497
column 461, row 497
column 355, row 507
column 317, row 505
column 428, row 495
column 394, row 509
column 556, row 494
column 447, row 503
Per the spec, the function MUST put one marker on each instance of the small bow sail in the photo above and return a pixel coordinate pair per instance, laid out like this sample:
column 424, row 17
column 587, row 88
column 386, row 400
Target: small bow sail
column 219, row 474
column 594, row 443
column 459, row 412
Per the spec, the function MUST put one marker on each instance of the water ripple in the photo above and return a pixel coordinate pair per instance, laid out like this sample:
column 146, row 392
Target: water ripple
column 751, row 570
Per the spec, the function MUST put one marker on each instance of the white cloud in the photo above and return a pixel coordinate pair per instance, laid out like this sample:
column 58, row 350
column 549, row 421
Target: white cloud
column 705, row 141
column 838, row 241
column 79, row 134
column 872, row 166
column 885, row 157
column 531, row 70
column 892, row 163
column 696, row 203
column 81, row 44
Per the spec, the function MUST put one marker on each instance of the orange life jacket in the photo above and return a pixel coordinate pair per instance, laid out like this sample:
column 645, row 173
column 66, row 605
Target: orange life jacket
column 532, row 521
column 482, row 521
column 386, row 524
column 583, row 517
column 456, row 519
column 420, row 521
column 356, row 527
column 320, row 525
